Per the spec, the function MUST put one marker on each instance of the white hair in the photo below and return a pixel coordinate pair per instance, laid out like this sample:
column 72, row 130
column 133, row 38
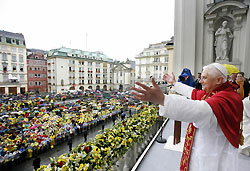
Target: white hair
column 215, row 72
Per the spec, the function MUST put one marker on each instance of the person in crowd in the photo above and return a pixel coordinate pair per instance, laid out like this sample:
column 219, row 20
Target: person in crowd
column 70, row 144
column 22, row 153
column 233, row 78
column 36, row 162
column 244, row 86
column 197, row 82
column 123, row 115
column 85, row 133
column 215, row 113
column 186, row 77
column 101, row 122
column 245, row 148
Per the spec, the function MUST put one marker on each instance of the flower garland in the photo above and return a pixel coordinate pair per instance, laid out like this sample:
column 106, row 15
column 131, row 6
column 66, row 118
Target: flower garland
column 108, row 147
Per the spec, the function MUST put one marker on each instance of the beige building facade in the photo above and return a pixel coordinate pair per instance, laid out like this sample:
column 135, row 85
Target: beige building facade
column 73, row 69
column 13, row 72
column 155, row 61
column 124, row 75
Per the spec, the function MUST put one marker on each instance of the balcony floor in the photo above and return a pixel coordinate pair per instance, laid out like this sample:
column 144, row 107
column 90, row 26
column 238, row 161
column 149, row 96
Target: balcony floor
column 160, row 159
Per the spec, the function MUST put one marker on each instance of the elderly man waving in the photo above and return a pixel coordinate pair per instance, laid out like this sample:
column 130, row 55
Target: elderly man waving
column 215, row 113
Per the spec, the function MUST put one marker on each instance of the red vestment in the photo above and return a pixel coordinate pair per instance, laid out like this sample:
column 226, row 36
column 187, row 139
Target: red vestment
column 227, row 106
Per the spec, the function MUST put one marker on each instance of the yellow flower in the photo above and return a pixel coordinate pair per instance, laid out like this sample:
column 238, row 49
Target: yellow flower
column 96, row 150
column 86, row 167
column 124, row 143
column 130, row 140
column 65, row 168
column 81, row 166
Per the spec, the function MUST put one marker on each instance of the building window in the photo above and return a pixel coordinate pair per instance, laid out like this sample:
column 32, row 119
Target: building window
column 31, row 83
column 20, row 58
column 147, row 53
column 14, row 68
column 156, row 68
column 22, row 78
column 89, row 63
column 21, row 68
column 37, row 83
column 13, row 49
column 4, row 57
column 13, row 58
column 5, row 78
column 8, row 40
column 17, row 42
column 4, row 48
column 166, row 59
column 62, row 82
column 156, row 59
column 4, row 67
column 97, row 81
column 98, row 70
column 20, row 50
column 165, row 68
column 104, row 70
column 157, row 52
column 31, row 75
column 44, row 83
column 37, row 76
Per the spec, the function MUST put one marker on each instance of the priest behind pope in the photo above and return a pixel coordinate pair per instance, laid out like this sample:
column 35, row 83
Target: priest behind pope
column 214, row 113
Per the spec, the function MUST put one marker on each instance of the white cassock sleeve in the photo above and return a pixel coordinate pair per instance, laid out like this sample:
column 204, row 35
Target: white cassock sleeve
column 183, row 89
column 180, row 108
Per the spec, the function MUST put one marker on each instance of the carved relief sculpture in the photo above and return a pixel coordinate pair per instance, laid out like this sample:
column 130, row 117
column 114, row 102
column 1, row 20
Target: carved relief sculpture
column 223, row 42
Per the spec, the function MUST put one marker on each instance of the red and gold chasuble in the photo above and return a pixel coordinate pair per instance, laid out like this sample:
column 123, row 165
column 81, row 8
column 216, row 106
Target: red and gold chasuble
column 227, row 106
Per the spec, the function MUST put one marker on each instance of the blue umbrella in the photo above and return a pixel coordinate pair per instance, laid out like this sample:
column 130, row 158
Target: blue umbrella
column 25, row 108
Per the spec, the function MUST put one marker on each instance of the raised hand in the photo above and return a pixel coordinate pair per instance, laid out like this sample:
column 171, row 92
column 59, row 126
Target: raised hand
column 151, row 94
column 170, row 79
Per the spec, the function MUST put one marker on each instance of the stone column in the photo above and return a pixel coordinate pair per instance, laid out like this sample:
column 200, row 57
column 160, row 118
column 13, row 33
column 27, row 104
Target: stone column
column 210, row 55
column 238, row 16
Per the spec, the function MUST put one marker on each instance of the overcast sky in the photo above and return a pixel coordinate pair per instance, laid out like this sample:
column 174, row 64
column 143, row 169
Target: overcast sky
column 119, row 28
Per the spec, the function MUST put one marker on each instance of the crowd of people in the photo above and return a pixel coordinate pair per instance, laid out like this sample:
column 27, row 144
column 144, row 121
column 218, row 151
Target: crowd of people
column 31, row 124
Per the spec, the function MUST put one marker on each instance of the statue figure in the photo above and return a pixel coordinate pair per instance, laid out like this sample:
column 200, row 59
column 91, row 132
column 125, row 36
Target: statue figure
column 223, row 42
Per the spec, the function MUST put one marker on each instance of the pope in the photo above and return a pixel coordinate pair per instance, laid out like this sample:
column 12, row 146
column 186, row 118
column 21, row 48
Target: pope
column 214, row 113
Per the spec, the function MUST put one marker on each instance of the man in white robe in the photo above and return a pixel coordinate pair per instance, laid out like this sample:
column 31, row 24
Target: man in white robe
column 211, row 149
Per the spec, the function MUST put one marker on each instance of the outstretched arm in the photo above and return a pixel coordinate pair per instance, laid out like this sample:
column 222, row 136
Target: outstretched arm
column 180, row 88
column 170, row 79
column 151, row 94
